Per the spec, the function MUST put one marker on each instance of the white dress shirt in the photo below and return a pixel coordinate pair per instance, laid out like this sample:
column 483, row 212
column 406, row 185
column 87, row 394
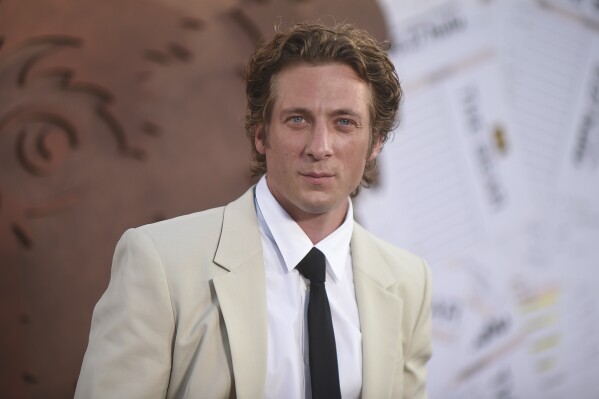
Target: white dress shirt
column 284, row 245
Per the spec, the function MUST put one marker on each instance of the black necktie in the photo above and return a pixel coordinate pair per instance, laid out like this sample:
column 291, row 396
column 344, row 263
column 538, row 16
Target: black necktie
column 324, row 372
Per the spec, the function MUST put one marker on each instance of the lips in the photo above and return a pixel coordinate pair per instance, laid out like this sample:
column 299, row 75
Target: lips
column 317, row 174
column 317, row 177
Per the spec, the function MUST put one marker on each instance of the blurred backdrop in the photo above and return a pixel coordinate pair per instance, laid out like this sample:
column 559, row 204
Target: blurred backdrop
column 118, row 113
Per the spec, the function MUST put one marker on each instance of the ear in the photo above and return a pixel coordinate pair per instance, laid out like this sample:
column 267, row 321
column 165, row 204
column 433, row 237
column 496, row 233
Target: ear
column 260, row 139
column 375, row 149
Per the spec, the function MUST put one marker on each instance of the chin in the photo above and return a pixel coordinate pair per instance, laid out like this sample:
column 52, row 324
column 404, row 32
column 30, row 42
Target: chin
column 318, row 207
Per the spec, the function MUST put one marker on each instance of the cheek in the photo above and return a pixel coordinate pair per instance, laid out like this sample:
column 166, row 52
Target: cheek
column 357, row 153
column 356, row 160
column 279, row 161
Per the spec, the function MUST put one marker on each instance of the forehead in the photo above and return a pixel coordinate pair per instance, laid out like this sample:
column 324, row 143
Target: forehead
column 321, row 87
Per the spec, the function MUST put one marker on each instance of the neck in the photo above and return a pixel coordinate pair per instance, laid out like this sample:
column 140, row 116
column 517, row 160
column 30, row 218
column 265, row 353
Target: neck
column 320, row 225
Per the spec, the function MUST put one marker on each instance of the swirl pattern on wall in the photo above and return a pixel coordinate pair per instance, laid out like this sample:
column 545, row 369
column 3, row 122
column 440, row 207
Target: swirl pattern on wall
column 45, row 113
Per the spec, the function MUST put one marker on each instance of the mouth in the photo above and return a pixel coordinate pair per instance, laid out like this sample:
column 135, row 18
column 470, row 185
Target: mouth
column 317, row 177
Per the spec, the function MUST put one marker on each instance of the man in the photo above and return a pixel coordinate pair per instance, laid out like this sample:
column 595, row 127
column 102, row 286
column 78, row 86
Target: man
column 217, row 304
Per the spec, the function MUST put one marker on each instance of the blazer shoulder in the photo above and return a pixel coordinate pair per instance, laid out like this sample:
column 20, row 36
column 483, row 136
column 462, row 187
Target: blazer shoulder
column 208, row 220
column 188, row 240
column 397, row 258
column 410, row 273
column 180, row 240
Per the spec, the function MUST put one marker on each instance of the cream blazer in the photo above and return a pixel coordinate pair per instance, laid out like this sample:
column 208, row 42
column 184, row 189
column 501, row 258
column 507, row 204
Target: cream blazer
column 184, row 314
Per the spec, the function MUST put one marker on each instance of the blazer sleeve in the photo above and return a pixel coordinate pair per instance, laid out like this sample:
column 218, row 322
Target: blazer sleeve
column 420, row 348
column 129, row 350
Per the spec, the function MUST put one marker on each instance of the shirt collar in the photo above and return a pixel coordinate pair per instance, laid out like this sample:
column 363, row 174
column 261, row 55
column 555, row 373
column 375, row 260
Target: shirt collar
column 293, row 243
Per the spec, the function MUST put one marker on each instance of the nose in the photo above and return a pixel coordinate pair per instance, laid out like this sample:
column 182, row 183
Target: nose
column 320, row 141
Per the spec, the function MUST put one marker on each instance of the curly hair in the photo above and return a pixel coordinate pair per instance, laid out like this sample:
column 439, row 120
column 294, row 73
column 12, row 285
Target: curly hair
column 316, row 44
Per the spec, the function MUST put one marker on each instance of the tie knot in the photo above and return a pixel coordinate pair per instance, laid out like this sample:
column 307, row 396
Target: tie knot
column 313, row 266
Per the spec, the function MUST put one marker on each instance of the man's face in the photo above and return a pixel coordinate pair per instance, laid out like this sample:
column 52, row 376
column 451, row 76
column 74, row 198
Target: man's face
column 318, row 139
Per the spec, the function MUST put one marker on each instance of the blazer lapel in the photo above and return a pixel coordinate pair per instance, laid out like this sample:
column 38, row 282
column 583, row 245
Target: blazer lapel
column 242, row 295
column 380, row 316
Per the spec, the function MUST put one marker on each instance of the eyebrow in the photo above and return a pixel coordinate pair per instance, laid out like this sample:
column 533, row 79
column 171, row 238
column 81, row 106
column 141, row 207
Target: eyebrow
column 344, row 111
column 305, row 111
column 297, row 110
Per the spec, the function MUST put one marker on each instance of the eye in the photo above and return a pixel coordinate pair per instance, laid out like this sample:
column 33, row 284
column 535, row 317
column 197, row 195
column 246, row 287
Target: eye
column 296, row 121
column 346, row 124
